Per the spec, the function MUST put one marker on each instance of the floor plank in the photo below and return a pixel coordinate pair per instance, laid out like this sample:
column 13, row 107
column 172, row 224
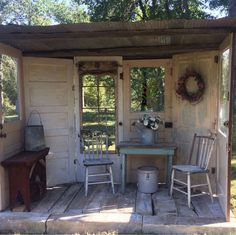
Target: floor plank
column 126, row 201
column 110, row 201
column 94, row 204
column 205, row 208
column 70, row 198
column 80, row 201
column 144, row 203
column 163, row 204
column 181, row 203
column 65, row 200
column 51, row 197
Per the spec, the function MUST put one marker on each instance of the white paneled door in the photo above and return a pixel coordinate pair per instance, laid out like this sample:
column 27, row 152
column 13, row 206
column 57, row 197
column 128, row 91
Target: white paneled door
column 223, row 149
column 49, row 90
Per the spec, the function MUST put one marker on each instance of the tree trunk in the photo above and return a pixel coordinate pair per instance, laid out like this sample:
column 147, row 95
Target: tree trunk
column 232, row 8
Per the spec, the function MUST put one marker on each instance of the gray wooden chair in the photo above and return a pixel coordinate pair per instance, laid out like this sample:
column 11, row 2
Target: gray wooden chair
column 95, row 151
column 198, row 161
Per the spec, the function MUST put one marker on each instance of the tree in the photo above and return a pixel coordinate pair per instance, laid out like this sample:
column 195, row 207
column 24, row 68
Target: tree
column 40, row 12
column 134, row 10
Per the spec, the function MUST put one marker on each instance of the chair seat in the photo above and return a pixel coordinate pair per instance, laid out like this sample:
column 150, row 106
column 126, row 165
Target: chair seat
column 189, row 168
column 97, row 162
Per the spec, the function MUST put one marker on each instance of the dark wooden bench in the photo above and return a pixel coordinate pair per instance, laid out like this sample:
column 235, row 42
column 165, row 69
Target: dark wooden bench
column 27, row 176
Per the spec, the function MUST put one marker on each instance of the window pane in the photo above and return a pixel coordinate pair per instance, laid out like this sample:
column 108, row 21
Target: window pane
column 99, row 109
column 224, row 91
column 107, row 97
column 147, row 89
column 9, row 88
column 90, row 97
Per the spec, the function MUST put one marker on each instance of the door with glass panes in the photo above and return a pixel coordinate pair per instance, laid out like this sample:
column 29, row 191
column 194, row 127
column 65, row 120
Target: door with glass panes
column 98, row 99
column 147, row 91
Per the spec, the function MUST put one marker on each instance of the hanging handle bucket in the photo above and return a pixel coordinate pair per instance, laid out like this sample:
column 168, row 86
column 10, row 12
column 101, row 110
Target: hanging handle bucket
column 34, row 134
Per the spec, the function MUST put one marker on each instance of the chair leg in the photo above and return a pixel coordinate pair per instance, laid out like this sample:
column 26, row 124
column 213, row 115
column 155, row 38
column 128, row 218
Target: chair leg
column 172, row 182
column 209, row 186
column 111, row 178
column 189, row 189
column 86, row 181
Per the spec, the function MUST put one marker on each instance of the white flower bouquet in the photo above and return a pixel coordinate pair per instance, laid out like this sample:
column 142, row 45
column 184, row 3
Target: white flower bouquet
column 150, row 122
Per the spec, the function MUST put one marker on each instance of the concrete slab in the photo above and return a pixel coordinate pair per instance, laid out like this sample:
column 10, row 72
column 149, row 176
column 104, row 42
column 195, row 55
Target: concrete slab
column 94, row 223
column 185, row 225
column 21, row 222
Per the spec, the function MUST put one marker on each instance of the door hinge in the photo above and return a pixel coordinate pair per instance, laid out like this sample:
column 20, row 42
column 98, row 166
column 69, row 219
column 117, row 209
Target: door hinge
column 73, row 87
column 228, row 147
column 171, row 71
column 121, row 76
column 216, row 59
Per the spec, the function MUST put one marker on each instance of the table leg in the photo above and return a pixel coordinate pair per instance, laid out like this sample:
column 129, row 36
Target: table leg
column 169, row 167
column 123, row 172
column 25, row 188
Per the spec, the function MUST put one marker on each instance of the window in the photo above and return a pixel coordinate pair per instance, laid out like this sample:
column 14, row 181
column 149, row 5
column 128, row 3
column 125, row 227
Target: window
column 9, row 88
column 224, row 90
column 147, row 89
column 99, row 105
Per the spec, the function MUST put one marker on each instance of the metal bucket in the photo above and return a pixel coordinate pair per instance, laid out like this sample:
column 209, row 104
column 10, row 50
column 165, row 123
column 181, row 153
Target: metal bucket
column 147, row 179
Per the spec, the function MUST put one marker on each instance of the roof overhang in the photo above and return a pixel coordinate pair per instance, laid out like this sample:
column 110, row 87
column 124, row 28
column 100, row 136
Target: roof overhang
column 138, row 40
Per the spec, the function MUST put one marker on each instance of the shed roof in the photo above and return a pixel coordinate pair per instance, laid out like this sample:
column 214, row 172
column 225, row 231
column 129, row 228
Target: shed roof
column 138, row 40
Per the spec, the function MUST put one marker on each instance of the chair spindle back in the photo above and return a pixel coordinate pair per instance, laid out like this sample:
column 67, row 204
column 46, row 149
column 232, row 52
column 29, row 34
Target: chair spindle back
column 201, row 150
column 95, row 145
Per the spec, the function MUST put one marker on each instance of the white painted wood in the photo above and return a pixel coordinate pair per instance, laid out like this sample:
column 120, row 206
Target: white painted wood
column 48, row 88
column 223, row 140
column 14, row 141
column 119, row 109
column 163, row 135
column 202, row 117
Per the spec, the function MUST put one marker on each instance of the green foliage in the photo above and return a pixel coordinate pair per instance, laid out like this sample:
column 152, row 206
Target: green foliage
column 99, row 107
column 9, row 85
column 233, row 186
column 134, row 10
column 68, row 13
column 147, row 89
column 40, row 12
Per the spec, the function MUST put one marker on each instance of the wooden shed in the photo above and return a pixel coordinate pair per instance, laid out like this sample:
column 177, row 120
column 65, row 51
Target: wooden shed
column 52, row 60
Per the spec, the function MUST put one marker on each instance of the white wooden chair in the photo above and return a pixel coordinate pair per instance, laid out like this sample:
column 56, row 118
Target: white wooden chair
column 198, row 161
column 95, row 151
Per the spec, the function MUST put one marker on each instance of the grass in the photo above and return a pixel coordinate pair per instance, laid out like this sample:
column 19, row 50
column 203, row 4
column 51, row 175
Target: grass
column 233, row 185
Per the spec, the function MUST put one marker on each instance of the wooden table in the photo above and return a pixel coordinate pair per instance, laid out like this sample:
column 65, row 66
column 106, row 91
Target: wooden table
column 21, row 168
column 135, row 148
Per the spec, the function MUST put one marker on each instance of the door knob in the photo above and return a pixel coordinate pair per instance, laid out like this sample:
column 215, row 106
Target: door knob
column 226, row 123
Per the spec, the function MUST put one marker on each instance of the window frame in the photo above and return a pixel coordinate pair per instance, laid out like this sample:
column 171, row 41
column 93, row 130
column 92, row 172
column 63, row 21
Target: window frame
column 116, row 103
column 12, row 52
column 130, row 93
column 167, row 65
column 221, row 128
column 131, row 117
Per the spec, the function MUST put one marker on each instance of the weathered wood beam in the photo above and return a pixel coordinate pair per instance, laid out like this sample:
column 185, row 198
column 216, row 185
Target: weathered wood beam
column 110, row 33
column 125, row 51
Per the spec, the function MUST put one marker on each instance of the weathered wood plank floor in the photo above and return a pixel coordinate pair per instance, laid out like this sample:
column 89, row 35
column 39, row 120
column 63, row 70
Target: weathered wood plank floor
column 70, row 199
